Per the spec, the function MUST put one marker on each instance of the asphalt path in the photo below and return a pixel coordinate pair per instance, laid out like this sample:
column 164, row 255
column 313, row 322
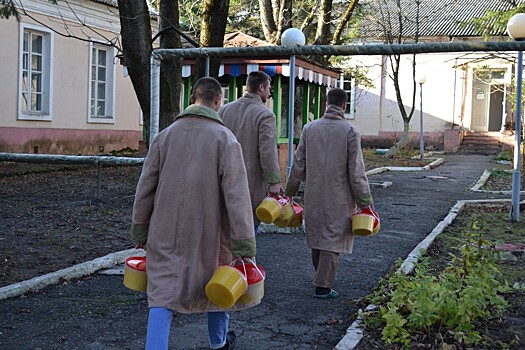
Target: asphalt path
column 98, row 312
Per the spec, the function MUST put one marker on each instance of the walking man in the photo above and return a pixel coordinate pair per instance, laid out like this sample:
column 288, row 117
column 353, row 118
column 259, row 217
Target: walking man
column 192, row 213
column 330, row 159
column 254, row 125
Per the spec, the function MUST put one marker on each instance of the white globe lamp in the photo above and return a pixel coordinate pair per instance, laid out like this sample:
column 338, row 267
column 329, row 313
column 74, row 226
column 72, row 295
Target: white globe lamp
column 516, row 27
column 292, row 37
column 421, row 78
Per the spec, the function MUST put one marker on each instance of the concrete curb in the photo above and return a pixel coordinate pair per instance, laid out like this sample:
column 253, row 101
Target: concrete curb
column 355, row 332
column 76, row 271
column 437, row 162
column 483, row 179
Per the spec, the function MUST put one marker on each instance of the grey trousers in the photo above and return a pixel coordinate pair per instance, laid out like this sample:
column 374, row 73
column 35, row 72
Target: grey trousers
column 325, row 265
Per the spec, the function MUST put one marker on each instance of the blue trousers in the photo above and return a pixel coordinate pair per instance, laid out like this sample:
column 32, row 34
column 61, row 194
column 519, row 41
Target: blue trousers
column 159, row 323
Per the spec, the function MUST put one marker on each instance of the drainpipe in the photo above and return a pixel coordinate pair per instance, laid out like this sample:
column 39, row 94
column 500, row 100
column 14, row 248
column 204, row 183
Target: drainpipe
column 155, row 93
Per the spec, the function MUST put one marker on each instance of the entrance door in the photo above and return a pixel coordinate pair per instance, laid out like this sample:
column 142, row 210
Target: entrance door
column 480, row 98
column 496, row 107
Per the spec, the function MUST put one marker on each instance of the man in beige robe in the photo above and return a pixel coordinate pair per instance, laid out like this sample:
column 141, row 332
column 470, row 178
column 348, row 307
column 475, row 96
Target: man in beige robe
column 254, row 125
column 192, row 213
column 330, row 159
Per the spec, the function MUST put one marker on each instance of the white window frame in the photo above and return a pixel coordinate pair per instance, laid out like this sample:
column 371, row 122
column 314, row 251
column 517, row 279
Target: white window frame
column 225, row 94
column 46, row 112
column 350, row 103
column 109, row 117
column 181, row 99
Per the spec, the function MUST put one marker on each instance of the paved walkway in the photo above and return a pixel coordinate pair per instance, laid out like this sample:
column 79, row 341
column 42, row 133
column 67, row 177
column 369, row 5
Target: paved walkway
column 98, row 312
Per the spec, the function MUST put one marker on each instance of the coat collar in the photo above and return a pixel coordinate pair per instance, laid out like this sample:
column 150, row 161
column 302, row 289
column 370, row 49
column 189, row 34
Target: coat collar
column 252, row 95
column 334, row 112
column 201, row 111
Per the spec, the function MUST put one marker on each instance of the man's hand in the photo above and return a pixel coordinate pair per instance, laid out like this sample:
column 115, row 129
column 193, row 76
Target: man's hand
column 276, row 189
column 140, row 246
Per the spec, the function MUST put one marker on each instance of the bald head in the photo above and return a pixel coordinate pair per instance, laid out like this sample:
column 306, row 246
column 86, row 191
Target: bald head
column 207, row 92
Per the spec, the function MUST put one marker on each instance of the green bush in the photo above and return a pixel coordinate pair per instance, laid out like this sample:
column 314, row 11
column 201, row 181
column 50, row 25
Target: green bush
column 505, row 155
column 447, row 302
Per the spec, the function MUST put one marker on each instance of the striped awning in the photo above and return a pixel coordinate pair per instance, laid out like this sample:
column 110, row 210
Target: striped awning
column 320, row 76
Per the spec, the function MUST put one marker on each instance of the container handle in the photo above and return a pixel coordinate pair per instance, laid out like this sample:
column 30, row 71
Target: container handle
column 257, row 268
column 243, row 266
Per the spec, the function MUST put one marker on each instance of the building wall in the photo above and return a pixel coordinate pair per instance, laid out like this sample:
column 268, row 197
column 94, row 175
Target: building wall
column 377, row 114
column 69, row 129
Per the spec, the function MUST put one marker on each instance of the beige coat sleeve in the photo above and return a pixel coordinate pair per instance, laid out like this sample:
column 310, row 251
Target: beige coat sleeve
column 356, row 169
column 298, row 171
column 145, row 195
column 268, row 150
column 237, row 200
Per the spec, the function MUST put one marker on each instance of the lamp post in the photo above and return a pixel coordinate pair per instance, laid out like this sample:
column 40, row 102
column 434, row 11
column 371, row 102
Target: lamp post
column 516, row 30
column 421, row 80
column 292, row 37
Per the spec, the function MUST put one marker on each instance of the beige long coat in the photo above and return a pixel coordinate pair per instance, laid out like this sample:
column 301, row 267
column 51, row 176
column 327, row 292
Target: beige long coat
column 254, row 126
column 330, row 158
column 192, row 187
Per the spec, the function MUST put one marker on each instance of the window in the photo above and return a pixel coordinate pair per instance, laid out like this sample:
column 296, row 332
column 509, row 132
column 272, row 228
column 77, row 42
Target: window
column 225, row 95
column 35, row 95
column 349, row 87
column 101, row 84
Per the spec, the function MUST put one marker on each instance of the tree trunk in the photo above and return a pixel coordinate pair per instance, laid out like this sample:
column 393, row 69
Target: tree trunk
column 322, row 35
column 402, row 142
column 136, row 46
column 336, row 38
column 213, row 28
column 276, row 17
column 267, row 19
column 170, row 69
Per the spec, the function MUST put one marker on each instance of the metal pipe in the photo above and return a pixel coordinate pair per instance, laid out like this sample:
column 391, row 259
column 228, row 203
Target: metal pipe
column 99, row 181
column 67, row 159
column 155, row 97
column 421, row 141
column 291, row 97
column 373, row 49
column 207, row 66
column 515, row 207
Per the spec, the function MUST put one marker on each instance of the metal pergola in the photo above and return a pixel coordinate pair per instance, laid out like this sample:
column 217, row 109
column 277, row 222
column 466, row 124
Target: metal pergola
column 338, row 50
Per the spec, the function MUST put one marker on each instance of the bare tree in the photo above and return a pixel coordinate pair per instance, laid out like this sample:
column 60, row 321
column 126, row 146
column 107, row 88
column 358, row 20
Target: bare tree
column 400, row 23
column 345, row 18
column 276, row 17
column 213, row 28
column 135, row 28
column 170, row 69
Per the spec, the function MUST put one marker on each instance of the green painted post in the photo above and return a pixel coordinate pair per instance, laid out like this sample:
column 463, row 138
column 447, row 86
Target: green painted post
column 231, row 89
column 317, row 101
column 277, row 99
column 239, row 86
column 187, row 92
column 306, row 102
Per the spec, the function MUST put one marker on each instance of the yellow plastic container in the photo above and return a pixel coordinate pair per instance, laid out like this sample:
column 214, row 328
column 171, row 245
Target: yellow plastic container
column 363, row 224
column 286, row 217
column 377, row 227
column 269, row 210
column 297, row 219
column 254, row 293
column 255, row 276
column 135, row 273
column 226, row 286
